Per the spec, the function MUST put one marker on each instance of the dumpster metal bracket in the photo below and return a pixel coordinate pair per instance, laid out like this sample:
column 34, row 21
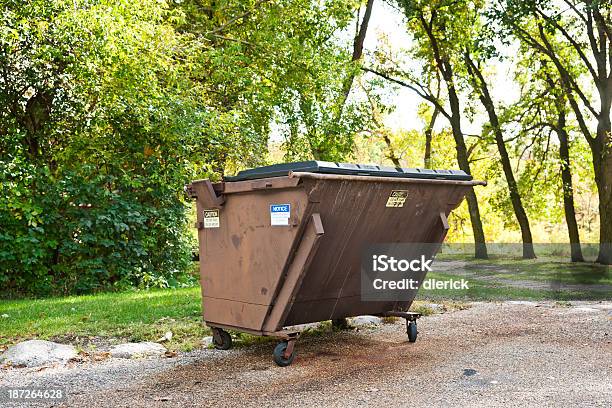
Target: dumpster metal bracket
column 295, row 274
column 444, row 221
column 261, row 184
column 205, row 191
column 281, row 334
column 217, row 200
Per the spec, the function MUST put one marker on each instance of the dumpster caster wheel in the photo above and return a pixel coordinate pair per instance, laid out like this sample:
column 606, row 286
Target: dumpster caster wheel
column 340, row 324
column 411, row 330
column 222, row 339
column 284, row 353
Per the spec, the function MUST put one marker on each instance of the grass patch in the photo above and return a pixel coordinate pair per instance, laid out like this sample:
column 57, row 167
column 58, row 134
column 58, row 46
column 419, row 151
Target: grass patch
column 128, row 316
column 543, row 269
column 483, row 290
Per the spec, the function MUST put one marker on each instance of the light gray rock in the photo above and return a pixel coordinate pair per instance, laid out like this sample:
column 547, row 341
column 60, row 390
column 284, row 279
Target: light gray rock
column 522, row 302
column 36, row 353
column 436, row 307
column 303, row 327
column 207, row 341
column 137, row 350
column 366, row 321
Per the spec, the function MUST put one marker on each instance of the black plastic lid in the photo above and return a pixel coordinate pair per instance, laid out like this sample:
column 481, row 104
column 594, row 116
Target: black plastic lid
column 278, row 170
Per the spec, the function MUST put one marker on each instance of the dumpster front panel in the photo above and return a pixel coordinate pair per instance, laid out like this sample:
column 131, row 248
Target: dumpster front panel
column 240, row 258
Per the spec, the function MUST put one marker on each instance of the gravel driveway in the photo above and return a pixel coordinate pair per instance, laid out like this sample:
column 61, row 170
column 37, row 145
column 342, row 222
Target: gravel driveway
column 492, row 354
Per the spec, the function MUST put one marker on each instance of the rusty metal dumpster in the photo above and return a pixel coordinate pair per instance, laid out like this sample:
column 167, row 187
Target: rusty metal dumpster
column 280, row 245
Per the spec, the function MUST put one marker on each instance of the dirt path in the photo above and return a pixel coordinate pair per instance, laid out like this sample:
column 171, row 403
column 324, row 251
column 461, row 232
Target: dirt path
column 510, row 354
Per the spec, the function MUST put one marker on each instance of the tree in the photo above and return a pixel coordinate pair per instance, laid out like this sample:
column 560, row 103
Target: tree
column 475, row 55
column 431, row 123
column 112, row 106
column 584, row 28
column 429, row 27
column 358, row 42
column 543, row 107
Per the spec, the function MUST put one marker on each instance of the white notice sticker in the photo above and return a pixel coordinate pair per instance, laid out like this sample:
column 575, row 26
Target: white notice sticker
column 279, row 214
column 211, row 218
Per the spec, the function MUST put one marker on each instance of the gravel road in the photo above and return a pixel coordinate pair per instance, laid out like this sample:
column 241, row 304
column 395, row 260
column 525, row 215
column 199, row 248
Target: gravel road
column 512, row 354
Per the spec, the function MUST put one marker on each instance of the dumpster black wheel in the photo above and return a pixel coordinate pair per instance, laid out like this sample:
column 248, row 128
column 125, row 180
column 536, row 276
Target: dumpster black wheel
column 279, row 354
column 222, row 340
column 411, row 330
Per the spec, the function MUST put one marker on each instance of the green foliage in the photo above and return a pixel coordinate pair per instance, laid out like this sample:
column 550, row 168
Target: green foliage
column 70, row 233
column 112, row 106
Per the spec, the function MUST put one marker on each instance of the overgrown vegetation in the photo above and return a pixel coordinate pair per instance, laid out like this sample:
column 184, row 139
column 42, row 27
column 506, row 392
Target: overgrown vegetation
column 110, row 106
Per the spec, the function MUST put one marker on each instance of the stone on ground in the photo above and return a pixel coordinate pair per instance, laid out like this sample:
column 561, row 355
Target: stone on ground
column 366, row 321
column 36, row 353
column 137, row 350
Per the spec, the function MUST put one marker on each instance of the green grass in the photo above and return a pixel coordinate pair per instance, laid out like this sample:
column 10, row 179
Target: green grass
column 131, row 316
column 147, row 315
column 495, row 291
column 545, row 269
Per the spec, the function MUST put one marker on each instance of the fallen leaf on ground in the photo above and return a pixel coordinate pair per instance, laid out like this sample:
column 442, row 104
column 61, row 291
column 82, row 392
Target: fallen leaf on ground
column 101, row 356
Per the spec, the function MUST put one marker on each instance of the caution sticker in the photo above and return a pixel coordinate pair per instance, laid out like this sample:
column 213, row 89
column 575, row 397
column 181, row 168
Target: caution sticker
column 211, row 218
column 279, row 214
column 397, row 198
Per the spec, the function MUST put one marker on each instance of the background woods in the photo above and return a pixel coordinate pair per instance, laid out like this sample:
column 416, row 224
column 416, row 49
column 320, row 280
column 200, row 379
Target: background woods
column 108, row 107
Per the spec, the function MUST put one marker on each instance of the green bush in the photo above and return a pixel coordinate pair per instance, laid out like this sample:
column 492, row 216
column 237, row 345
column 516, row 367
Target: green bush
column 82, row 231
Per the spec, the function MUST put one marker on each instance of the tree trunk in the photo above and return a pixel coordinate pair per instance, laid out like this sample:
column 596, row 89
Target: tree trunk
column 429, row 137
column 515, row 198
column 347, row 84
column 446, row 70
column 480, row 251
column 482, row 89
column 357, row 51
column 430, row 126
column 568, row 190
column 602, row 163
column 391, row 154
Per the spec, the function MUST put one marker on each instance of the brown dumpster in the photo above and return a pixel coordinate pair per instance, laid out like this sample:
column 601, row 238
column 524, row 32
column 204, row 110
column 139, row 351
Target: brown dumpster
column 281, row 245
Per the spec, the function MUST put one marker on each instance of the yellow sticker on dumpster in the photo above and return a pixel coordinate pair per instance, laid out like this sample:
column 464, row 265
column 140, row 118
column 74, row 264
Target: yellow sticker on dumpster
column 397, row 198
column 211, row 218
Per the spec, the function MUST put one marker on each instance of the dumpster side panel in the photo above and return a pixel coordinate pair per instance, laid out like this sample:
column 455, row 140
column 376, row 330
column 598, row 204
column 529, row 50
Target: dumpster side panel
column 355, row 215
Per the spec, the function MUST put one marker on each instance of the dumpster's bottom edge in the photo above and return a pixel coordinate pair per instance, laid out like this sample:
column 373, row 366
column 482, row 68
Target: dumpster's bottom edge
column 284, row 334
